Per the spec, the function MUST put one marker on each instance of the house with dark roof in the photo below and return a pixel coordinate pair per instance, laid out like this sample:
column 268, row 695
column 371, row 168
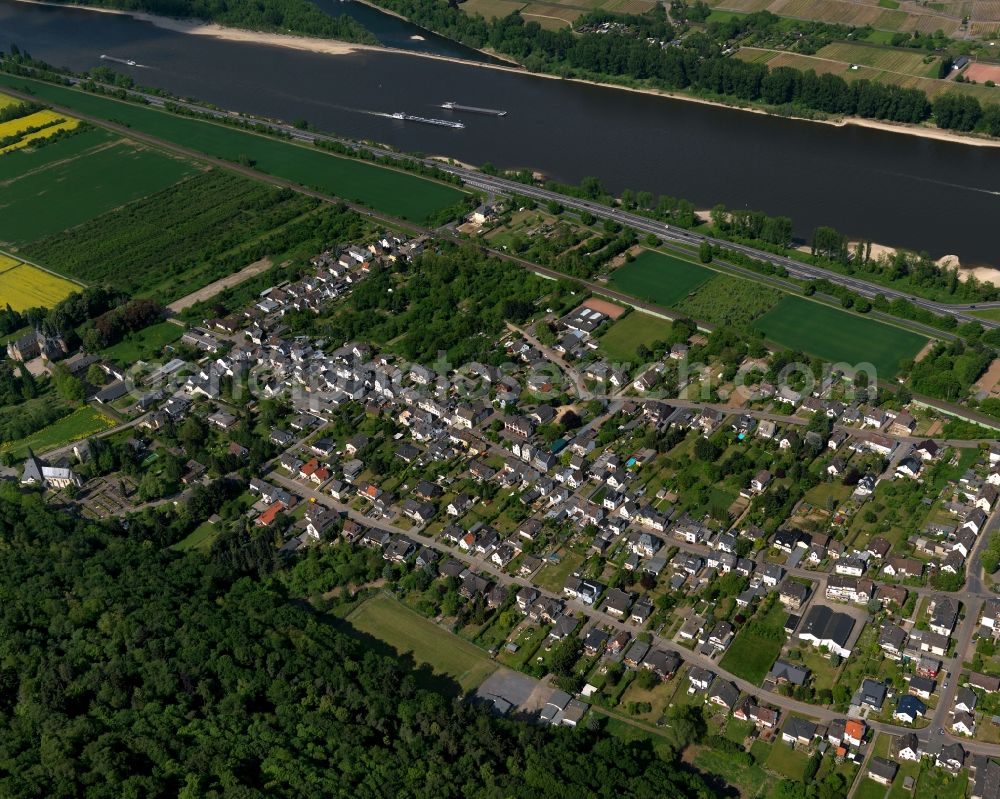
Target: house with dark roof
column 825, row 627
column 784, row 672
column 909, row 709
column 798, row 731
column 873, row 693
column 882, row 771
column 724, row 694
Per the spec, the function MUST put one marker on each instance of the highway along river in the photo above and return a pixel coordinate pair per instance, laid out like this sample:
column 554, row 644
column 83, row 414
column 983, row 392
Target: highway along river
column 895, row 189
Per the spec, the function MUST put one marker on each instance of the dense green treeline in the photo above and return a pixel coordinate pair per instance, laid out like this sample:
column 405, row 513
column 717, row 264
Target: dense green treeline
column 698, row 62
column 128, row 671
column 299, row 16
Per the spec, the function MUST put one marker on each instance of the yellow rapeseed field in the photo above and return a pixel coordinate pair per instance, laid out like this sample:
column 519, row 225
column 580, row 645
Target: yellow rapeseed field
column 35, row 120
column 24, row 286
column 69, row 124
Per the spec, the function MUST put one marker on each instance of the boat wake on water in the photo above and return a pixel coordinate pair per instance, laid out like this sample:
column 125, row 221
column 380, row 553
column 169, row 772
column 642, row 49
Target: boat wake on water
column 128, row 62
column 937, row 182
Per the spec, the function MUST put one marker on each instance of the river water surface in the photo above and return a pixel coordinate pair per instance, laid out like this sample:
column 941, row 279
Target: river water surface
column 895, row 189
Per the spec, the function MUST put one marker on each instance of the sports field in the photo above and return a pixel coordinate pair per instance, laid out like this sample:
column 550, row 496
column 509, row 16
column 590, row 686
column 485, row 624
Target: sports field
column 621, row 341
column 660, row 278
column 407, row 631
column 839, row 336
column 65, row 193
column 396, row 193
column 24, row 286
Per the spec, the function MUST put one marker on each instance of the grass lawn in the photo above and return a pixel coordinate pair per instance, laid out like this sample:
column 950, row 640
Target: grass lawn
column 752, row 781
column 819, row 494
column 751, row 654
column 786, row 761
column 66, row 193
column 737, row 731
column 993, row 314
column 935, row 783
column 200, row 538
column 406, row 631
column 906, row 769
column 82, row 423
column 869, row 789
column 397, row 193
column 836, row 335
column 553, row 576
column 621, row 341
column 145, row 343
column 663, row 279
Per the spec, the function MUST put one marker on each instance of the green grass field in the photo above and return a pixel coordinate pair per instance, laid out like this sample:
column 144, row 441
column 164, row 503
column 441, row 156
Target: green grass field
column 751, row 655
column 407, row 631
column 200, row 538
column 397, row 193
column 788, row 762
column 145, row 343
column 620, row 342
column 993, row 314
column 82, row 423
column 71, row 191
column 839, row 336
column 656, row 277
column 869, row 789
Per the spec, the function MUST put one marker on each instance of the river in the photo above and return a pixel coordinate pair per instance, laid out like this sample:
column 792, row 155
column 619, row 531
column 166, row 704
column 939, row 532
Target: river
column 899, row 190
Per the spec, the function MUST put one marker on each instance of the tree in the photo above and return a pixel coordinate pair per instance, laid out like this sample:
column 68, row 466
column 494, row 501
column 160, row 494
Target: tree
column 684, row 725
column 705, row 252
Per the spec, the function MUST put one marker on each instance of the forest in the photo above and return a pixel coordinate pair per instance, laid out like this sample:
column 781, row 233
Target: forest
column 127, row 670
column 299, row 16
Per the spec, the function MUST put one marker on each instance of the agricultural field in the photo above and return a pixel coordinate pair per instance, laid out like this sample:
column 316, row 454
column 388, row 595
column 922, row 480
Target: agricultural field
column 660, row 278
column 838, row 336
column 891, row 59
column 853, row 61
column 407, row 631
column 83, row 422
column 390, row 191
column 886, row 16
column 24, row 286
column 177, row 239
column 552, row 14
column 24, row 160
column 65, row 193
column 620, row 342
column 23, row 123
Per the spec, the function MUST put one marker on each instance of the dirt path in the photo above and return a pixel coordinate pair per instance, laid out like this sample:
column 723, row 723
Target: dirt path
column 209, row 291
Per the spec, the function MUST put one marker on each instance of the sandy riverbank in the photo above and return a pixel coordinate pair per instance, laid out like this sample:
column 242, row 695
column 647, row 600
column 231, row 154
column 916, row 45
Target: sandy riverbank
column 336, row 47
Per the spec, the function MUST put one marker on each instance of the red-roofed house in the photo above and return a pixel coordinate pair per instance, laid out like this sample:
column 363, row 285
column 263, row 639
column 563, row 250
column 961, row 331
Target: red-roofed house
column 266, row 519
